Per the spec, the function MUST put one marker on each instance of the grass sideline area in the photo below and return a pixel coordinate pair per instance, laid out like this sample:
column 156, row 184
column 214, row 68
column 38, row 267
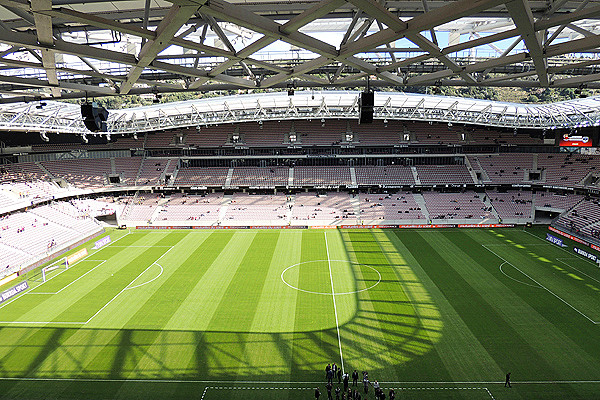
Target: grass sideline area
column 239, row 314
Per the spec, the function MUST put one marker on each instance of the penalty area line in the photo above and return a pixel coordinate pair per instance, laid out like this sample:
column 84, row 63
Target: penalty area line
column 129, row 284
column 224, row 382
column 542, row 286
column 308, row 383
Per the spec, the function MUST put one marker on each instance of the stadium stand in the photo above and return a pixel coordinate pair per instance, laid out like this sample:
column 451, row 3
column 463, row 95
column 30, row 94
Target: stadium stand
column 444, row 174
column 563, row 202
column 504, row 168
column 200, row 210
column 84, row 173
column 23, row 172
column 333, row 207
column 390, row 175
column 583, row 219
column 202, row 176
column 466, row 205
column 257, row 209
column 401, row 206
column 140, row 207
column 265, row 177
column 326, row 176
column 29, row 236
column 128, row 169
column 512, row 204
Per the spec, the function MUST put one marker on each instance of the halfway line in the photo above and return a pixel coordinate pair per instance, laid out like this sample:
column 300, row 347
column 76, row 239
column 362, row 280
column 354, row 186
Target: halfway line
column 337, row 325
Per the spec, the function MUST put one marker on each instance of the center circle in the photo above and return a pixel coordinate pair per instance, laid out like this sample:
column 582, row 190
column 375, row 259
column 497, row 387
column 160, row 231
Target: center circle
column 352, row 264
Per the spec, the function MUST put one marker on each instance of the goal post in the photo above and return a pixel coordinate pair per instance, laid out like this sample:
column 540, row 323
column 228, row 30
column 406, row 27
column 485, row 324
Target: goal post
column 49, row 271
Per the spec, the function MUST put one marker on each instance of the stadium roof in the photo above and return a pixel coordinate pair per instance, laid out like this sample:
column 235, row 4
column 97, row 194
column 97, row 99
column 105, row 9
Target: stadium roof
column 80, row 48
column 66, row 118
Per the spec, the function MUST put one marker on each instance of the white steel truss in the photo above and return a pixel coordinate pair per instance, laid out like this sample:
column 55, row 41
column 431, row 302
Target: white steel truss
column 66, row 118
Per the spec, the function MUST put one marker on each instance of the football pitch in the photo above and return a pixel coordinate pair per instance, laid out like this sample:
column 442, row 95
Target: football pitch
column 258, row 314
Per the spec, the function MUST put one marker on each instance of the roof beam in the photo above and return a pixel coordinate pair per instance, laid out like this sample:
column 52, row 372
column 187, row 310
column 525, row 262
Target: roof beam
column 240, row 15
column 439, row 16
column 563, row 26
column 43, row 27
column 165, row 32
column 520, row 12
column 319, row 10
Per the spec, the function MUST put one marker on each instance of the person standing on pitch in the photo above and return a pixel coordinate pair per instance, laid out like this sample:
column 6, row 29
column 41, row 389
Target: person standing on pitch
column 329, row 386
column 366, row 383
column 339, row 375
column 355, row 378
column 317, row 393
column 334, row 369
column 507, row 381
column 345, row 378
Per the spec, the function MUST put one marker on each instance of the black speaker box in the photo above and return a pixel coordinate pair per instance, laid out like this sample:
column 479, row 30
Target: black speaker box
column 366, row 101
column 94, row 117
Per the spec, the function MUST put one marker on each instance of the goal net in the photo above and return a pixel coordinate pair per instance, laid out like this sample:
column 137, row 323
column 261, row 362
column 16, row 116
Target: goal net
column 49, row 271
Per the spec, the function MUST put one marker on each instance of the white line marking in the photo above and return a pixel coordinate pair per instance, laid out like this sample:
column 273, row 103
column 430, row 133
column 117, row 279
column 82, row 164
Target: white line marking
column 144, row 247
column 516, row 280
column 581, row 272
column 127, row 287
column 329, row 294
column 561, row 248
column 42, row 322
column 30, row 292
column 337, row 325
column 152, row 280
column 84, row 258
column 177, row 381
column 542, row 286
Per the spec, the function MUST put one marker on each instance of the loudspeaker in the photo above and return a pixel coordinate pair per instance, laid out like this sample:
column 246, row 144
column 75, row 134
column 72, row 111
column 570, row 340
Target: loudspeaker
column 94, row 117
column 366, row 101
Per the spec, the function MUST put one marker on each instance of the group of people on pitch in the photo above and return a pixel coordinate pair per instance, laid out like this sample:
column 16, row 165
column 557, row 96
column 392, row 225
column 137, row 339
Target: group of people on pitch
column 332, row 372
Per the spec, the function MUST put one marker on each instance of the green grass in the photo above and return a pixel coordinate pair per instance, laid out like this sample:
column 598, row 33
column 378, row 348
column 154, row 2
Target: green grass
column 238, row 314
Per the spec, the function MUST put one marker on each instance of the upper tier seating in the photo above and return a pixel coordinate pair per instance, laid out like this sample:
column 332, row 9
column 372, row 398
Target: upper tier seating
column 566, row 169
column 322, row 176
column 504, row 168
column 24, row 172
column 85, row 173
column 444, row 174
column 202, row 176
column 391, row 175
column 253, row 176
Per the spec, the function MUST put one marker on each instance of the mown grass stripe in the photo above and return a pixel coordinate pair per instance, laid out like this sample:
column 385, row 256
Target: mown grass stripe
column 486, row 323
column 534, row 313
column 454, row 345
column 249, row 278
column 127, row 351
column 159, row 308
column 315, row 342
column 386, row 316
